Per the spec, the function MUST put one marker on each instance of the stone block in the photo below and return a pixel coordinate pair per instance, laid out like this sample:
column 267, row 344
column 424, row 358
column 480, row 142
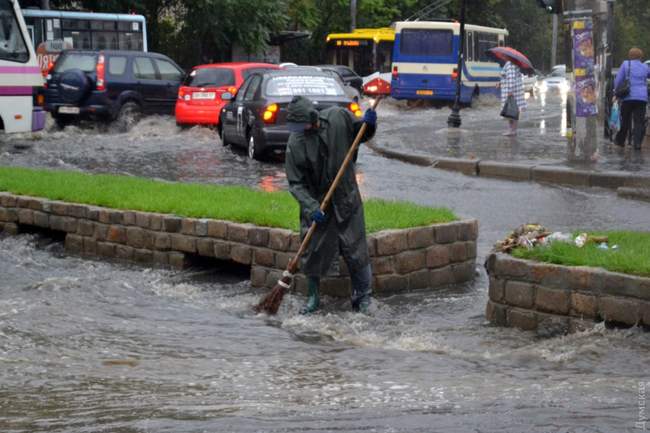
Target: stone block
column 258, row 276
column 74, row 244
column 580, row 278
column 522, row 319
column 280, row 239
column 116, row 234
column 59, row 208
column 264, row 257
column 626, row 285
column 505, row 265
column 115, row 217
column 505, row 170
column 171, row 224
column 142, row 219
column 148, row 239
column 520, row 294
column 124, row 252
column 22, row 202
column 419, row 279
column 296, row 240
column 241, row 253
column 382, row 265
column 162, row 241
column 391, row 283
column 129, row 218
column 26, row 216
column 441, row 277
column 561, row 176
column 470, row 249
column 56, row 223
column 178, row 260
column 457, row 252
column 391, row 242
column 644, row 312
column 446, row 233
column 619, row 310
column 584, row 305
column 35, row 204
column 222, row 250
column 90, row 246
column 497, row 289
column 272, row 277
column 300, row 284
column 8, row 200
column 103, row 215
column 608, row 179
column 552, row 300
column 468, row 230
column 550, row 325
column 410, row 261
column 205, row 247
column 201, row 227
column 437, row 256
column 258, row 236
column 496, row 313
column 420, row 237
column 218, row 229
column 92, row 214
column 101, row 232
column 188, row 226
column 70, row 224
column 183, row 243
column 372, row 246
column 161, row 258
column 76, row 211
column 551, row 276
column 238, row 232
column 11, row 228
column 465, row 166
column 86, row 228
column 105, row 249
column 463, row 272
column 8, row 215
column 41, row 219
column 155, row 224
column 143, row 256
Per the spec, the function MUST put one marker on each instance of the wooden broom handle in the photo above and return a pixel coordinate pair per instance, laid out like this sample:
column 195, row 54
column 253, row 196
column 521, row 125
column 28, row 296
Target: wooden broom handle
column 293, row 264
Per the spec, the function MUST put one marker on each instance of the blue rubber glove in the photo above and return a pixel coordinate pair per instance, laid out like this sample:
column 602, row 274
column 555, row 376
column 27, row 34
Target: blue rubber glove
column 370, row 117
column 317, row 216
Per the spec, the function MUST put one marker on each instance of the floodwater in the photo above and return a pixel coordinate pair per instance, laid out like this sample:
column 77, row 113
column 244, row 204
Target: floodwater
column 88, row 346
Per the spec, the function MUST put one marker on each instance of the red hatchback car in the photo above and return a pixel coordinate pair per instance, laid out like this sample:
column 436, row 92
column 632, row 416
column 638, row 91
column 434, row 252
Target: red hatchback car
column 199, row 97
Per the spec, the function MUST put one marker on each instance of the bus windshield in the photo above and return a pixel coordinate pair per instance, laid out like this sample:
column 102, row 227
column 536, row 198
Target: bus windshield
column 426, row 42
column 12, row 44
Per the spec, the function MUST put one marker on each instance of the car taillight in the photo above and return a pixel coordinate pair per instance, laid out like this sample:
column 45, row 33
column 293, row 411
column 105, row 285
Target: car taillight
column 394, row 71
column 454, row 74
column 47, row 73
column 354, row 107
column 271, row 113
column 101, row 73
column 181, row 93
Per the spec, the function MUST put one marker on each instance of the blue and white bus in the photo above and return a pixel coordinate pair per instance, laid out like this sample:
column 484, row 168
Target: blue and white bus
column 425, row 60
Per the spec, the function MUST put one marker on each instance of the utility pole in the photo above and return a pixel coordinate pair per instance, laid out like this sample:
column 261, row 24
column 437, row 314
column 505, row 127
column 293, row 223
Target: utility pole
column 454, row 121
column 554, row 46
column 353, row 15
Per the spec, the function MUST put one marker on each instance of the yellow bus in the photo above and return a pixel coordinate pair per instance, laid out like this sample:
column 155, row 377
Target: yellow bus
column 366, row 51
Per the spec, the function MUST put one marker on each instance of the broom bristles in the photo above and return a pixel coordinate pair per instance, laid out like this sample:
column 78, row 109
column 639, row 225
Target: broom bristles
column 271, row 302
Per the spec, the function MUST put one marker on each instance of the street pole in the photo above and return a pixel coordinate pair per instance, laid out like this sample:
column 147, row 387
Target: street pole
column 353, row 15
column 554, row 46
column 454, row 120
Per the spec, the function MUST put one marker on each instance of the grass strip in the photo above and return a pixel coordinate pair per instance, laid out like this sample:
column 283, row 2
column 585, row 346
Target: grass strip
column 231, row 203
column 631, row 257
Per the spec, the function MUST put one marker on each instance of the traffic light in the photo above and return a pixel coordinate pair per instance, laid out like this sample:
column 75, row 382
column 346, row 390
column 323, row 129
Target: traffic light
column 551, row 6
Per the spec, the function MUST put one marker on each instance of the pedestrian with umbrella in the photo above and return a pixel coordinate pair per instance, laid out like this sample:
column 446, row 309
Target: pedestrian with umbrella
column 513, row 99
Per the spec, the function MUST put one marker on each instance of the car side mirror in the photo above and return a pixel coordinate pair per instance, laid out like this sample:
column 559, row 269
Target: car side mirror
column 227, row 96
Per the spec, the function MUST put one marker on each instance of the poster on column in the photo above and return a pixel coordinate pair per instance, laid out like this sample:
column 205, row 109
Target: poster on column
column 583, row 66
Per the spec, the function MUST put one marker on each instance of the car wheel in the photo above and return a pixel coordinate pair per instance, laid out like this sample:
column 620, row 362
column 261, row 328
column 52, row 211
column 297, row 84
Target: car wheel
column 253, row 149
column 222, row 136
column 130, row 113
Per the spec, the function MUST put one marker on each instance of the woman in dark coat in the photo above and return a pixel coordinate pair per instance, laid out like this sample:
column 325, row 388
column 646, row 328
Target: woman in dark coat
column 634, row 104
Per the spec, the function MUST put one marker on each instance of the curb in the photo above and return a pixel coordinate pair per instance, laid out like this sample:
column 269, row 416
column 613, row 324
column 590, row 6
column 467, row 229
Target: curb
column 632, row 186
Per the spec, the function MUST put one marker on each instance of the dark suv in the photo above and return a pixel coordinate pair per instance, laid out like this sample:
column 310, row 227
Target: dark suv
column 111, row 85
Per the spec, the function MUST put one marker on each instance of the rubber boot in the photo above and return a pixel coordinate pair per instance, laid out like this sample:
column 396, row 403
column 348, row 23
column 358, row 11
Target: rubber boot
column 313, row 296
column 361, row 290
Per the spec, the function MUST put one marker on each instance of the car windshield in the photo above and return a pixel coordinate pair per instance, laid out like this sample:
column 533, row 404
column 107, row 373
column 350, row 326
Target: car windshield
column 85, row 62
column 305, row 85
column 210, row 77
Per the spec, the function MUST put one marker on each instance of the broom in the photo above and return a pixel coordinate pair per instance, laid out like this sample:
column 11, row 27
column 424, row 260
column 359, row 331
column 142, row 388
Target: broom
column 271, row 302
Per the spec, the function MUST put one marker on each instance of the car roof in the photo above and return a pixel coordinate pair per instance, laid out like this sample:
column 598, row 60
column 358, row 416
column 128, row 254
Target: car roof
column 296, row 71
column 237, row 65
column 117, row 52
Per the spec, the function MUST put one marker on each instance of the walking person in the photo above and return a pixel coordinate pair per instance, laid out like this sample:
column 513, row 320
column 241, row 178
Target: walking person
column 512, row 84
column 316, row 149
column 633, row 76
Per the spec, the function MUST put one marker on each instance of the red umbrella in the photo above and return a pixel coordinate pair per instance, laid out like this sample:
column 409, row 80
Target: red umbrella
column 507, row 54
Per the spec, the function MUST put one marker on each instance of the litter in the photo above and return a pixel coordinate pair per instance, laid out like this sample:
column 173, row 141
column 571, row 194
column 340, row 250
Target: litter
column 531, row 235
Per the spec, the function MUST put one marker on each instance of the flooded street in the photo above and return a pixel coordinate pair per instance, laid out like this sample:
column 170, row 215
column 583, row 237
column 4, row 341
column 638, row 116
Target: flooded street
column 88, row 346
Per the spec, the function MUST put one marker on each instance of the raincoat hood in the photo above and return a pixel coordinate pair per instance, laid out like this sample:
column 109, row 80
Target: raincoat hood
column 300, row 114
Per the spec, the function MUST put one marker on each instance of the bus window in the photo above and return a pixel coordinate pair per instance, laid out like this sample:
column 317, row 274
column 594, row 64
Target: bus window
column 425, row 42
column 12, row 44
column 485, row 42
column 469, row 46
column 80, row 40
column 74, row 24
column 384, row 56
column 105, row 41
column 130, row 41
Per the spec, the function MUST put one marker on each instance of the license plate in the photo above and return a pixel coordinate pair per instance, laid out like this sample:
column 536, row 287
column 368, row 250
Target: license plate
column 203, row 95
column 424, row 92
column 69, row 110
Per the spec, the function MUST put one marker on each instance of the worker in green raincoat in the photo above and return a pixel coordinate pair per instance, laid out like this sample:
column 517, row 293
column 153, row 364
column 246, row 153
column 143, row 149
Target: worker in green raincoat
column 316, row 149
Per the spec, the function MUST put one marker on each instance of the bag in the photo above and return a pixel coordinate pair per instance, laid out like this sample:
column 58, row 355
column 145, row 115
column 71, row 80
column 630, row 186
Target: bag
column 623, row 90
column 510, row 109
column 615, row 117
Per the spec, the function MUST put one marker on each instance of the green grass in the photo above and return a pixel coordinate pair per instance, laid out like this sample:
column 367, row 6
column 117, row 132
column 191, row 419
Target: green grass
column 232, row 203
column 631, row 257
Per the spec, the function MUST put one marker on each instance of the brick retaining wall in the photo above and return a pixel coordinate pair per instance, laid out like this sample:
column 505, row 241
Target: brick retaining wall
column 536, row 296
column 422, row 257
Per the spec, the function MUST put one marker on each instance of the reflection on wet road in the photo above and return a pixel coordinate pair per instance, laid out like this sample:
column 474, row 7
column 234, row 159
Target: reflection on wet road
column 88, row 346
